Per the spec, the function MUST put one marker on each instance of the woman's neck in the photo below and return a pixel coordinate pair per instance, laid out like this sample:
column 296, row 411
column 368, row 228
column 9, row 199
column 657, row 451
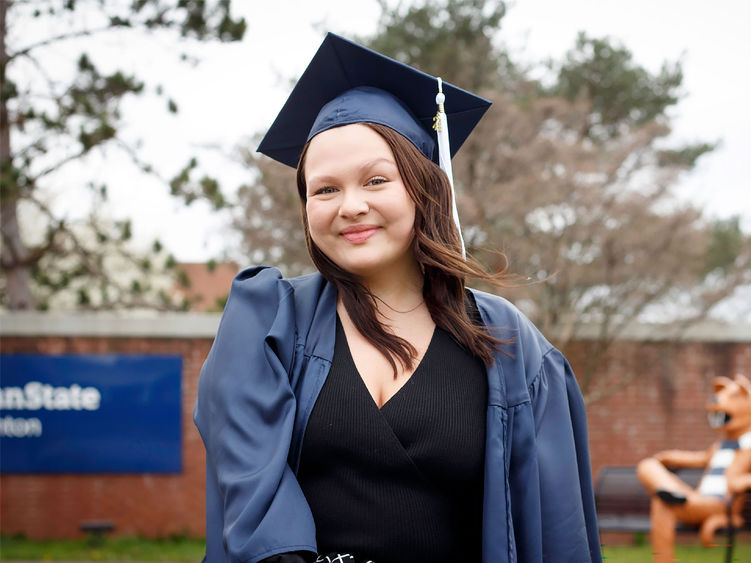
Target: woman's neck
column 397, row 291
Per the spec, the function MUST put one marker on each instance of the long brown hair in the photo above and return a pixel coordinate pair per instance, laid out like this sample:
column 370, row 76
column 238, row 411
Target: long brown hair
column 437, row 249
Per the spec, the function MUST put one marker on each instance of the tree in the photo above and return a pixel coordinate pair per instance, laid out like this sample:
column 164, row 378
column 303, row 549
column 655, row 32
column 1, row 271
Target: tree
column 573, row 181
column 578, row 189
column 593, row 226
column 49, row 123
column 268, row 217
column 621, row 93
column 455, row 37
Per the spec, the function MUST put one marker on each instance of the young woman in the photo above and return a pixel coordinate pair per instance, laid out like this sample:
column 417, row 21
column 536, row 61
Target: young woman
column 378, row 410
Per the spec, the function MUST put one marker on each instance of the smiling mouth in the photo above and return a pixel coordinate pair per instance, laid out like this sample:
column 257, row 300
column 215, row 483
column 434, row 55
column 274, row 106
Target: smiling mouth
column 359, row 234
column 718, row 419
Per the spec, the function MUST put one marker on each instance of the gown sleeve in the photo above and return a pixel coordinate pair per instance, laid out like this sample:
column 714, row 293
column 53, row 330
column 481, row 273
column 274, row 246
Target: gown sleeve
column 245, row 412
column 568, row 518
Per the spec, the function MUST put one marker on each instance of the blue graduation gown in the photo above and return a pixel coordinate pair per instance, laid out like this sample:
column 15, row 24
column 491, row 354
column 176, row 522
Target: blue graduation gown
column 257, row 388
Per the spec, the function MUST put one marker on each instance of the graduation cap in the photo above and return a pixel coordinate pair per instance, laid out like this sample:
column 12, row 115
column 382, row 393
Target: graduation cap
column 347, row 83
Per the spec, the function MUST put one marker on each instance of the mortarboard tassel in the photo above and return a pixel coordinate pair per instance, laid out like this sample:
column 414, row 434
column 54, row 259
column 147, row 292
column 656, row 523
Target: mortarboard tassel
column 441, row 125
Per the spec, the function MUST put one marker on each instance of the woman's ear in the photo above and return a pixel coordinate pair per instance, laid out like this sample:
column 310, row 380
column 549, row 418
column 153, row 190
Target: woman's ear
column 743, row 383
column 720, row 383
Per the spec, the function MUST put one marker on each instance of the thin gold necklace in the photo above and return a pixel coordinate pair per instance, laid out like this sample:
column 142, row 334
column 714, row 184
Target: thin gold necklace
column 397, row 310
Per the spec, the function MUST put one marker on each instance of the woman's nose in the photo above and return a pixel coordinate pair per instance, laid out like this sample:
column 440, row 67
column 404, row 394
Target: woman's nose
column 354, row 202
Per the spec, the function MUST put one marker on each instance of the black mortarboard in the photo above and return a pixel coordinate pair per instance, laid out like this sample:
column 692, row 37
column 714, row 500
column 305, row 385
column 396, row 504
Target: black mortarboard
column 347, row 83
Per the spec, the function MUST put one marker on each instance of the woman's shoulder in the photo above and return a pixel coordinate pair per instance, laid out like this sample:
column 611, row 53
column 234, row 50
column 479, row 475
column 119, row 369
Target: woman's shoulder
column 526, row 351
column 269, row 275
column 272, row 296
column 500, row 313
column 268, row 282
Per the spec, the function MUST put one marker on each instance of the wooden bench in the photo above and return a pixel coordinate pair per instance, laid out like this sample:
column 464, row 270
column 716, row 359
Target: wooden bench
column 96, row 529
column 622, row 503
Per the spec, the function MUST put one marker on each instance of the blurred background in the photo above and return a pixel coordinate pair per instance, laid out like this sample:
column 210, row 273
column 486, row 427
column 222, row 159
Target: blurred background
column 610, row 172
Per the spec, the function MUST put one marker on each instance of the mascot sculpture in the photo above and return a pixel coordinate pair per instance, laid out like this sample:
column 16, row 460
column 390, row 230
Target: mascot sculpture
column 718, row 500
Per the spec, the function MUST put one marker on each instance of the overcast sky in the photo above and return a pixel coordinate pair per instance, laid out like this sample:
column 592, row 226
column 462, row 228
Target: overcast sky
column 236, row 91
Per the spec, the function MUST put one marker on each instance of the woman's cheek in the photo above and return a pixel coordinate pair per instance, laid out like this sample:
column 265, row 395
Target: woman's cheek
column 317, row 220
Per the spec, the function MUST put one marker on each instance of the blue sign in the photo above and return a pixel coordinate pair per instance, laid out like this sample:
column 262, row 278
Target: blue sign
column 90, row 414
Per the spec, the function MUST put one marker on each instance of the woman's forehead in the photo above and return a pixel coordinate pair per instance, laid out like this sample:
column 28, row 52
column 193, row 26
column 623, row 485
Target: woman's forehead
column 345, row 147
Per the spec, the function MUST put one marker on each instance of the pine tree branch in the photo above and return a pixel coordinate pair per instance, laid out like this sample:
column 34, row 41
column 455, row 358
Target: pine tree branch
column 59, row 164
column 43, row 73
column 62, row 37
column 138, row 161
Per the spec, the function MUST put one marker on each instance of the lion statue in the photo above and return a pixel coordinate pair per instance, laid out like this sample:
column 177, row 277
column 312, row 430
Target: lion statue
column 716, row 502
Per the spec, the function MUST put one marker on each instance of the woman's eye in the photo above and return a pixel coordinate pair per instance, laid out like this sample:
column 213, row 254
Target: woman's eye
column 324, row 190
column 376, row 181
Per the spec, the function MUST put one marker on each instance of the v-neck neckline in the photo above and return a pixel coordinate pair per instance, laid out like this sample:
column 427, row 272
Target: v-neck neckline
column 399, row 391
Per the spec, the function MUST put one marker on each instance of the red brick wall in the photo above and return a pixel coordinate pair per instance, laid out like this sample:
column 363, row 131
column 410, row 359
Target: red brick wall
column 663, row 407
column 53, row 506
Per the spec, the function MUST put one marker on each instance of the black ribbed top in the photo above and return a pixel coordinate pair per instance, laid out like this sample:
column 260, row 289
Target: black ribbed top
column 403, row 483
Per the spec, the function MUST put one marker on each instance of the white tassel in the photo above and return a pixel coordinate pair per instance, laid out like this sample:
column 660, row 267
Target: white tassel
column 441, row 125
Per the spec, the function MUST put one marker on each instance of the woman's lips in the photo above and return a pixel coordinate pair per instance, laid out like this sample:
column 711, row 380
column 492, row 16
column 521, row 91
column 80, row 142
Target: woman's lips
column 359, row 233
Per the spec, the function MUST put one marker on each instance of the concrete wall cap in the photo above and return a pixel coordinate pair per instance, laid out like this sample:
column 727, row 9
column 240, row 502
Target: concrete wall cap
column 111, row 324
column 152, row 324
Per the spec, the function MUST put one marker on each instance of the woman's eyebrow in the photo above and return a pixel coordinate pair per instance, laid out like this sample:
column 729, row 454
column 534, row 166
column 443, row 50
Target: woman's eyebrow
column 332, row 179
column 377, row 161
column 321, row 179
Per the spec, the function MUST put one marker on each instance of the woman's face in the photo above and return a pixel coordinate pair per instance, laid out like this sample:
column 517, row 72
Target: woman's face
column 359, row 212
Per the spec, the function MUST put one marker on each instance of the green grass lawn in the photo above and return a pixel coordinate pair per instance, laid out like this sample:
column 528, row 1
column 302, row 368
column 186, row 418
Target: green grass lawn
column 187, row 549
column 111, row 549
column 683, row 554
